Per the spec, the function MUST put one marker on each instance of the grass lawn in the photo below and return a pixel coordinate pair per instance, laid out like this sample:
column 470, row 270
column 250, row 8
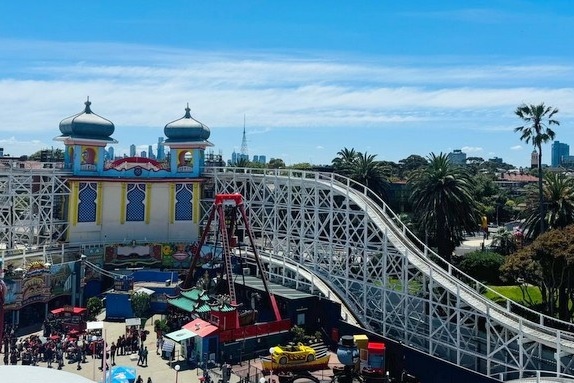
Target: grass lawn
column 514, row 293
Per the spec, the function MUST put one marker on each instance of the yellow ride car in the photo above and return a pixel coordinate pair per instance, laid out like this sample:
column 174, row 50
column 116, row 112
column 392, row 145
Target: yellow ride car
column 293, row 354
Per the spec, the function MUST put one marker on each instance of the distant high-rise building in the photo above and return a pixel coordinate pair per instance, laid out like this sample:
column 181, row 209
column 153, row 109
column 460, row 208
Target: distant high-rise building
column 559, row 151
column 143, row 154
column 260, row 159
column 110, row 153
column 160, row 149
column 534, row 159
column 457, row 157
column 496, row 160
column 150, row 152
column 1, row 152
column 132, row 150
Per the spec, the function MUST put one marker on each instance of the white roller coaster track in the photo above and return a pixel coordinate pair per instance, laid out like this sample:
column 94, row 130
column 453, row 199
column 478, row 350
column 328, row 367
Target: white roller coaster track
column 348, row 237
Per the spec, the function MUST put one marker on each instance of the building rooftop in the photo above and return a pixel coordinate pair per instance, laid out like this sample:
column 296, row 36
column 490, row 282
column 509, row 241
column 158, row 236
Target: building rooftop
column 275, row 289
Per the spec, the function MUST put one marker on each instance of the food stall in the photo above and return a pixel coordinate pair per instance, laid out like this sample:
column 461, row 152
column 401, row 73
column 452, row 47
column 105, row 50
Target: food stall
column 70, row 318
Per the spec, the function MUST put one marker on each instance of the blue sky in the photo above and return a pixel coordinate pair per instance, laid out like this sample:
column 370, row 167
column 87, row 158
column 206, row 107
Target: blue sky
column 390, row 78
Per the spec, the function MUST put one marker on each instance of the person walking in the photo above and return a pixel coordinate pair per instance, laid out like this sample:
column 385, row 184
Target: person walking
column 113, row 349
column 144, row 356
column 140, row 356
column 139, row 379
column 149, row 379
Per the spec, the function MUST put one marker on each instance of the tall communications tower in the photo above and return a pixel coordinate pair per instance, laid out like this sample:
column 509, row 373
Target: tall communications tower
column 244, row 151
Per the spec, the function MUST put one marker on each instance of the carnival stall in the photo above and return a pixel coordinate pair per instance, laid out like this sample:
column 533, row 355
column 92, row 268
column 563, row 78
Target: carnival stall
column 70, row 318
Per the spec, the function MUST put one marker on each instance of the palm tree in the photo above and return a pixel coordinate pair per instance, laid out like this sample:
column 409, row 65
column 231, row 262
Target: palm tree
column 537, row 119
column 369, row 172
column 558, row 194
column 503, row 241
column 442, row 196
column 344, row 163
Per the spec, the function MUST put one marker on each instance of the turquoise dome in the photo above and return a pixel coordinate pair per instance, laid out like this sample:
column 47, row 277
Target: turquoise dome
column 186, row 129
column 87, row 125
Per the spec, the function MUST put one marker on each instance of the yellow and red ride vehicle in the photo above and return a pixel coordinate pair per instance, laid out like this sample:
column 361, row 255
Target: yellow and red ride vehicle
column 298, row 353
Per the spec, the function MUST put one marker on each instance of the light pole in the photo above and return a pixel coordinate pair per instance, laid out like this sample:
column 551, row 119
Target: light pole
column 177, row 367
column 82, row 275
column 271, row 351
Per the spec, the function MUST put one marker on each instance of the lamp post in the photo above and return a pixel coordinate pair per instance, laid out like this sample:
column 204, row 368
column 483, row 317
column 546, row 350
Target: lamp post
column 177, row 367
column 271, row 351
column 82, row 275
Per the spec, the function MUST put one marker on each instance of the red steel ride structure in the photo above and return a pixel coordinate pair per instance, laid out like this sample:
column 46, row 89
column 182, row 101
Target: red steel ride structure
column 228, row 208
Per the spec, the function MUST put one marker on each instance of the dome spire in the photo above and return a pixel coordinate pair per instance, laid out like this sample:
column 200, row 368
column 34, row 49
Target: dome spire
column 186, row 129
column 88, row 103
column 87, row 125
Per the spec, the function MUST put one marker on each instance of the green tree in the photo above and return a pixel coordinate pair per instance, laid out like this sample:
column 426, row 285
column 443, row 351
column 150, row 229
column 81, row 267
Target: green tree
column 483, row 266
column 298, row 334
column 548, row 262
column 370, row 173
column 276, row 163
column 411, row 164
column 536, row 129
column 94, row 307
column 160, row 326
column 54, row 155
column 503, row 241
column 141, row 303
column 345, row 161
column 443, row 203
column 558, row 197
column 302, row 166
column 242, row 163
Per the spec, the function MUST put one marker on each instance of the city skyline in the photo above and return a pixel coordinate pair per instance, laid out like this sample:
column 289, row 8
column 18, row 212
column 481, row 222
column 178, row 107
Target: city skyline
column 390, row 79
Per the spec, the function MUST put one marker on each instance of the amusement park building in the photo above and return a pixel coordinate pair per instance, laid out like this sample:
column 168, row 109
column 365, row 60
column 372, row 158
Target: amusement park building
column 129, row 212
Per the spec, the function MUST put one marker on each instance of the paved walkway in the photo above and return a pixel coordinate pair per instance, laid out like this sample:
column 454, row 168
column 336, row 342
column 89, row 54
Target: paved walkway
column 158, row 369
column 473, row 244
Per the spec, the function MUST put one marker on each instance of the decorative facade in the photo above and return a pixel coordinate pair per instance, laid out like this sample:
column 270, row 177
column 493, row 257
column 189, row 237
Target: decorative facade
column 132, row 199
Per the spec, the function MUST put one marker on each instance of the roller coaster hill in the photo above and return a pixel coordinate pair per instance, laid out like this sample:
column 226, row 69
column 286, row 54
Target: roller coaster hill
column 326, row 234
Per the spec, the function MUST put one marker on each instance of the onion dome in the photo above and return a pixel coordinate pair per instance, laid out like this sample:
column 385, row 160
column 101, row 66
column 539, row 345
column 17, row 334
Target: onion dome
column 87, row 125
column 186, row 129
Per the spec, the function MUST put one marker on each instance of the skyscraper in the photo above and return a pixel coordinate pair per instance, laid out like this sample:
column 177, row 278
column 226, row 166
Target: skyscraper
column 534, row 159
column 110, row 152
column 132, row 150
column 457, row 157
column 160, row 149
column 559, row 151
column 150, row 152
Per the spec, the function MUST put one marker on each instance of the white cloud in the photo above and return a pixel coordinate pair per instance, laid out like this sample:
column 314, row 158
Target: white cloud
column 144, row 88
column 471, row 149
column 516, row 147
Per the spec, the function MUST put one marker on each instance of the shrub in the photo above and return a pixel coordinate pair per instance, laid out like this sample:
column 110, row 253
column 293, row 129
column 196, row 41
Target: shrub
column 483, row 266
column 94, row 306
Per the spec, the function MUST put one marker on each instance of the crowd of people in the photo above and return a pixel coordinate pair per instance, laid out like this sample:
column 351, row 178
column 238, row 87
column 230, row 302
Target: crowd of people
column 57, row 346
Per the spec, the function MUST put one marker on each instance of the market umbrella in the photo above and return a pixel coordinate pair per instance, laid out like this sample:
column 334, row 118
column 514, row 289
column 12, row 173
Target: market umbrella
column 123, row 374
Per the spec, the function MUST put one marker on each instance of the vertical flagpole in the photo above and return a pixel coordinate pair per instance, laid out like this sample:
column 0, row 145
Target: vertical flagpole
column 104, row 360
